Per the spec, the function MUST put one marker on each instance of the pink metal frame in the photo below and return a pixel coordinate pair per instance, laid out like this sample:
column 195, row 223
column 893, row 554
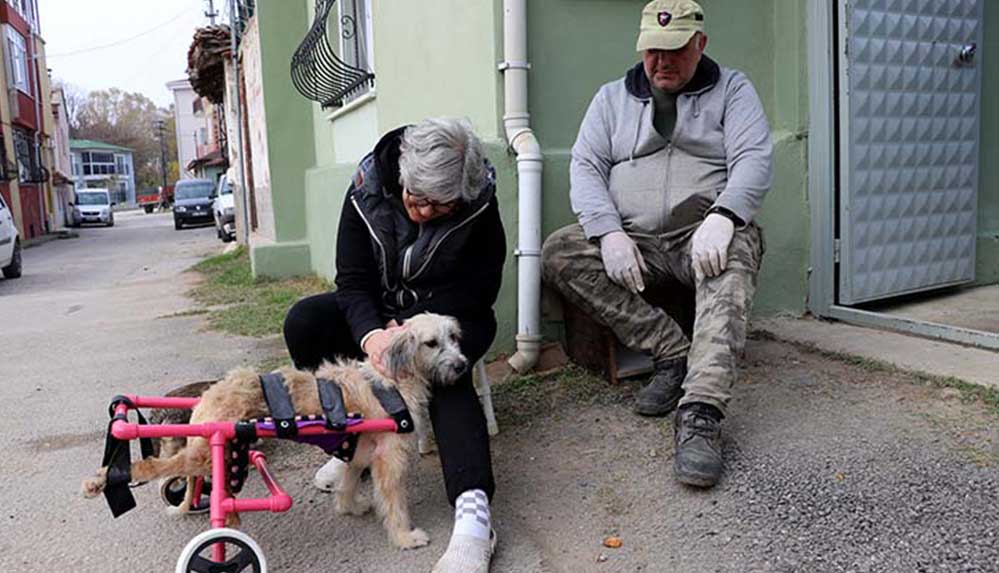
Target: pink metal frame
column 218, row 434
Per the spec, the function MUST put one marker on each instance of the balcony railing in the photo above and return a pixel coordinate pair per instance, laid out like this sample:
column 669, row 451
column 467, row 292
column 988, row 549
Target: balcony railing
column 318, row 73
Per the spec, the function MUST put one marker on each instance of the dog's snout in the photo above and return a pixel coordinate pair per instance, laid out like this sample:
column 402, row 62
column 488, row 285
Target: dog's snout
column 460, row 366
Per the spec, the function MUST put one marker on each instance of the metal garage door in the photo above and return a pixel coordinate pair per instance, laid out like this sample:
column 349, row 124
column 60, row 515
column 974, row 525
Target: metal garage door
column 909, row 86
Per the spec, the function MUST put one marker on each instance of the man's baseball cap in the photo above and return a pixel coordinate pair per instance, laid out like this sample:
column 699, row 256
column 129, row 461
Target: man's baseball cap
column 669, row 24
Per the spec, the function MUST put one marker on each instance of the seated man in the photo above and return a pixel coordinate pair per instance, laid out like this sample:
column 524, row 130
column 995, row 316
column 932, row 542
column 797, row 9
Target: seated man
column 670, row 166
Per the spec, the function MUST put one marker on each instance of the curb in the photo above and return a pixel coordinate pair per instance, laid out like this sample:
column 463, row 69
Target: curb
column 60, row 234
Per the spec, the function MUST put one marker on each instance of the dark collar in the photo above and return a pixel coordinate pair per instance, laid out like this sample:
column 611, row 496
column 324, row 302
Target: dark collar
column 386, row 155
column 706, row 76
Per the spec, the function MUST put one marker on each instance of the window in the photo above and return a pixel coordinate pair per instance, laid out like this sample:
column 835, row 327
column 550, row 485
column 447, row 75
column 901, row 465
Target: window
column 356, row 42
column 332, row 64
column 26, row 152
column 100, row 163
column 17, row 61
column 23, row 7
column 119, row 163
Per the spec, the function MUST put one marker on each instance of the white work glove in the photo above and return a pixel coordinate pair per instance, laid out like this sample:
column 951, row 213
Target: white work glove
column 709, row 247
column 623, row 261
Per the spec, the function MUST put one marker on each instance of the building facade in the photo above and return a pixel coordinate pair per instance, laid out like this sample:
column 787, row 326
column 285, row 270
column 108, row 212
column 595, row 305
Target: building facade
column 441, row 58
column 103, row 165
column 25, row 120
column 191, row 129
column 61, row 172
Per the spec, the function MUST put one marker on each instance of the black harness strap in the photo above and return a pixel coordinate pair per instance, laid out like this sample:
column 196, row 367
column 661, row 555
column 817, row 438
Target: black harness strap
column 331, row 398
column 118, row 460
column 393, row 403
column 279, row 403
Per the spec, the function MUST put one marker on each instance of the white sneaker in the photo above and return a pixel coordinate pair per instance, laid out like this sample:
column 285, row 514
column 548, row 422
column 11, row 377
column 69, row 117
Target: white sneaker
column 467, row 554
column 328, row 477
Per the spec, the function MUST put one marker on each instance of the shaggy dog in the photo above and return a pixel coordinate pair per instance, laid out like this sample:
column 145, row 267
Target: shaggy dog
column 423, row 353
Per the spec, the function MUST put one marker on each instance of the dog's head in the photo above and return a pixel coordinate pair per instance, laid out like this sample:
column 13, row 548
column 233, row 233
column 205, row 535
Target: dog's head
column 427, row 347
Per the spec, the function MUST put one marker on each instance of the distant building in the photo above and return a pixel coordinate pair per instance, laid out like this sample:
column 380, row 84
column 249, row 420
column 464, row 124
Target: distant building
column 62, row 162
column 99, row 164
column 191, row 129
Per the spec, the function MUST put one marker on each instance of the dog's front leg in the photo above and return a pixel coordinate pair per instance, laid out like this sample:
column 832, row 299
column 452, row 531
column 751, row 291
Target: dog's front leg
column 388, row 470
column 348, row 497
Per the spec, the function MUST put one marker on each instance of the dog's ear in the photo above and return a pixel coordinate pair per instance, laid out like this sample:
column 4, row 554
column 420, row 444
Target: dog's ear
column 399, row 354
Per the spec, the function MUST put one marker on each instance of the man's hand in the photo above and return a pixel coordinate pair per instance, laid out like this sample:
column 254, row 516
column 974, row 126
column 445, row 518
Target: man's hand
column 709, row 246
column 623, row 261
column 376, row 344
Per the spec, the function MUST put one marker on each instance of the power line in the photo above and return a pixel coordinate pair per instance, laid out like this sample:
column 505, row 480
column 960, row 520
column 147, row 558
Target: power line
column 124, row 40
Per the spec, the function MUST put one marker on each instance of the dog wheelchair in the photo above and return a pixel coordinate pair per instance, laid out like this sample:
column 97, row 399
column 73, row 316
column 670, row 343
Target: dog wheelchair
column 222, row 549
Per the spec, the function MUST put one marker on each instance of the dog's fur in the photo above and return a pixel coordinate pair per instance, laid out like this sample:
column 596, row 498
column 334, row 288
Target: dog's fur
column 424, row 352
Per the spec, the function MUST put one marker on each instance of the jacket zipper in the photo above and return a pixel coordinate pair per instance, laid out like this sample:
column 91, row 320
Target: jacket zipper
column 433, row 250
column 409, row 254
column 669, row 160
column 353, row 201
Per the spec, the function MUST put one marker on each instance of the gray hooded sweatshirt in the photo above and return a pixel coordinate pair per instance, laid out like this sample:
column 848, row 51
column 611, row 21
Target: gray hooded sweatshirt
column 626, row 176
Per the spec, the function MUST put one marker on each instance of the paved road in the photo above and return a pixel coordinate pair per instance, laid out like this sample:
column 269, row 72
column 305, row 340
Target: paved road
column 831, row 467
column 83, row 323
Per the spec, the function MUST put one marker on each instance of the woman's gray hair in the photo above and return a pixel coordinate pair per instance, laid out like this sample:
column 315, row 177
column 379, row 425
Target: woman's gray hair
column 442, row 159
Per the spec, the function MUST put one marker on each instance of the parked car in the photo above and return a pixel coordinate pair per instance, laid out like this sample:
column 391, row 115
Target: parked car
column 92, row 206
column 192, row 202
column 224, row 209
column 10, row 244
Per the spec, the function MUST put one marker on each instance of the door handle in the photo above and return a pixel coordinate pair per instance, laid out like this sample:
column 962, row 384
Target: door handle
column 967, row 54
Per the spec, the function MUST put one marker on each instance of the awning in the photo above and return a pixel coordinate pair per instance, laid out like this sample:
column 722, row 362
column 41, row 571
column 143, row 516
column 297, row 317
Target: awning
column 212, row 159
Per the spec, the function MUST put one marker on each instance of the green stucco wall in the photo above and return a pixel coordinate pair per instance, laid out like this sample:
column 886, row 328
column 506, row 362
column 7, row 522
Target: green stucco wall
column 575, row 47
column 290, row 140
column 987, row 270
column 437, row 58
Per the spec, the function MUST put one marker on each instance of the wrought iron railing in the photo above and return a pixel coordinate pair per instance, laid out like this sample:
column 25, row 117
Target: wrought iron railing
column 318, row 73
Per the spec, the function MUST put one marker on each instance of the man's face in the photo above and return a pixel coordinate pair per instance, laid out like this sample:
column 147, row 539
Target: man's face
column 670, row 70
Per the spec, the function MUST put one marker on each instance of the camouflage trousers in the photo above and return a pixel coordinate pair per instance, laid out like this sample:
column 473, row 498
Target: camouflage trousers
column 573, row 265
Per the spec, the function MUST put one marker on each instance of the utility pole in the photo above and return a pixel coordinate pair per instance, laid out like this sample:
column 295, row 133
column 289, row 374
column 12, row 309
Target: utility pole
column 211, row 13
column 160, row 128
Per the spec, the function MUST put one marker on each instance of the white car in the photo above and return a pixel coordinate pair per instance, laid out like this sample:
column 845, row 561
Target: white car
column 92, row 206
column 10, row 244
column 224, row 209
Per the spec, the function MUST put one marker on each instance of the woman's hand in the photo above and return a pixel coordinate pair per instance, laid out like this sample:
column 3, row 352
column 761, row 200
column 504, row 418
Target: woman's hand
column 376, row 344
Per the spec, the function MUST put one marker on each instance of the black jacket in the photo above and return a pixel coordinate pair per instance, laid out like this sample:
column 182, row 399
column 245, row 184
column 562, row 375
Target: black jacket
column 389, row 267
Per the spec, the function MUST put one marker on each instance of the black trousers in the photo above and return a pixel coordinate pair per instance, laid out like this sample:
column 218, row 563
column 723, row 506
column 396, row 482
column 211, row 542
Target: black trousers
column 315, row 329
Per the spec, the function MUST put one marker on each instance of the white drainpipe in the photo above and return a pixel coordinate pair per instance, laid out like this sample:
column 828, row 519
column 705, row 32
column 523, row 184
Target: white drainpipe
column 516, row 120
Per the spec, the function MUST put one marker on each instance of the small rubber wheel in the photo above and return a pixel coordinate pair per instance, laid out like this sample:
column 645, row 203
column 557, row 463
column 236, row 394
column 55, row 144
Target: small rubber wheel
column 242, row 554
column 172, row 491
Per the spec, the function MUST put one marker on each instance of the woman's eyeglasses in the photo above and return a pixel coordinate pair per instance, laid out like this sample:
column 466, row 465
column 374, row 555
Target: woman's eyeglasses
column 421, row 202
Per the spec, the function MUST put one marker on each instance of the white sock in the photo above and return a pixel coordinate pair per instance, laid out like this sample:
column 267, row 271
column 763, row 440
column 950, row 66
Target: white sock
column 471, row 514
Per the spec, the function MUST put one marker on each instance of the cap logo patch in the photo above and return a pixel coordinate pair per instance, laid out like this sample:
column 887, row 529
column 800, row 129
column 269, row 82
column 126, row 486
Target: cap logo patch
column 664, row 18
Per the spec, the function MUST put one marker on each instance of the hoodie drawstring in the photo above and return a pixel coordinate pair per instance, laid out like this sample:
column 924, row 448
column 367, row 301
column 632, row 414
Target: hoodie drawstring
column 638, row 130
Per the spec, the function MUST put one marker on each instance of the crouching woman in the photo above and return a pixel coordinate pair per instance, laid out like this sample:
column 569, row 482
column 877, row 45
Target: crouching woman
column 420, row 231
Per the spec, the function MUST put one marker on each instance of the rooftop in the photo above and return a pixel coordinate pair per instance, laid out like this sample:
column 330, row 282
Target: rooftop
column 91, row 144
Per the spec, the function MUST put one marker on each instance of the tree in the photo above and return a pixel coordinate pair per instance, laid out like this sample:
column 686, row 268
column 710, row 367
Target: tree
column 129, row 120
column 75, row 97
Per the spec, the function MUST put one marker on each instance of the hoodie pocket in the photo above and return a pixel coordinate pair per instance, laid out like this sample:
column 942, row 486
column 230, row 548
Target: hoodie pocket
column 638, row 189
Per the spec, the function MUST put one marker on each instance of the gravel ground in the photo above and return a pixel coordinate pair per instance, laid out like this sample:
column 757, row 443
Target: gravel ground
column 830, row 467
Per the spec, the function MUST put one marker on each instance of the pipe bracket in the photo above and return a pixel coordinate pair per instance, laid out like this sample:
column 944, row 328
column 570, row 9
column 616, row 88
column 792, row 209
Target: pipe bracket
column 513, row 65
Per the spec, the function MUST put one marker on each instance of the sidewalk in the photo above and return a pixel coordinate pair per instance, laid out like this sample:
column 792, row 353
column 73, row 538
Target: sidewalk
column 910, row 353
column 57, row 234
